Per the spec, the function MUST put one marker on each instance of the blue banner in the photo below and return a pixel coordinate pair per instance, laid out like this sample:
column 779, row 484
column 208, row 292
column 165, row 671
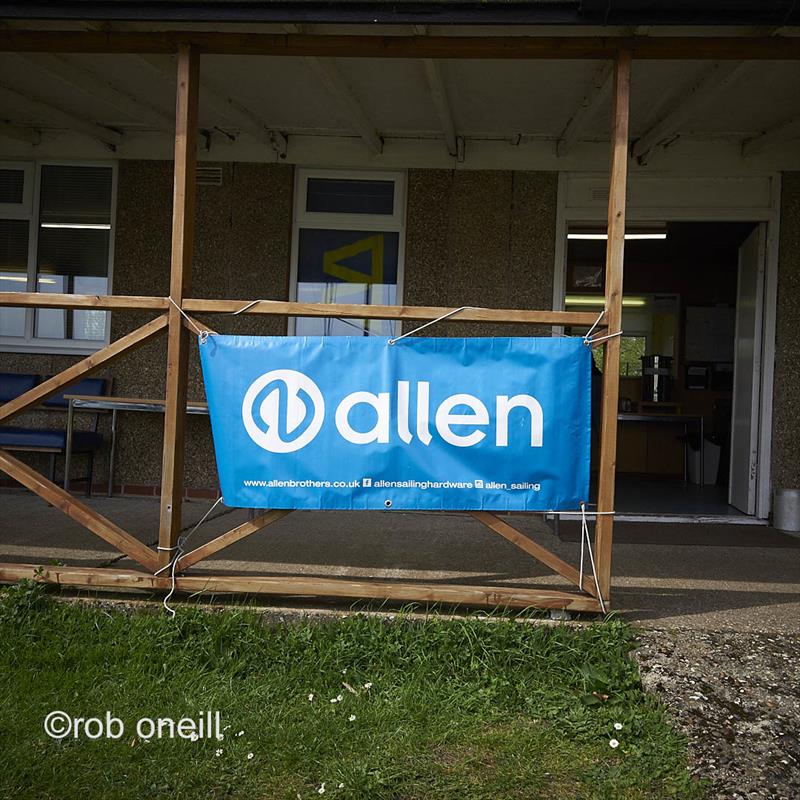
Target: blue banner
column 499, row 424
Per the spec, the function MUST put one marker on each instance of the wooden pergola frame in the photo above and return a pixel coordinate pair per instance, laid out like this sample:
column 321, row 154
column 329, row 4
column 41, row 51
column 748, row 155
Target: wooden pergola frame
column 171, row 312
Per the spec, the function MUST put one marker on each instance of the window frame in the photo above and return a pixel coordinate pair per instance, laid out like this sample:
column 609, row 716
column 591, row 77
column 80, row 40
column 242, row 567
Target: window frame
column 395, row 222
column 32, row 192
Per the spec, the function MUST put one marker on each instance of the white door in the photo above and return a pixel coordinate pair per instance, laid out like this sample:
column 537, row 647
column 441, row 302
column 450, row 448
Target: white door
column 747, row 373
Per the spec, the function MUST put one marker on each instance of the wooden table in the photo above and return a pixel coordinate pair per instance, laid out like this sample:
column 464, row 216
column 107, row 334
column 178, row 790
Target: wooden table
column 86, row 402
column 681, row 419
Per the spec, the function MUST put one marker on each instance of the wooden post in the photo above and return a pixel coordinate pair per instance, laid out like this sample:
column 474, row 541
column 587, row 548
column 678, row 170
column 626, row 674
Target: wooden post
column 183, row 201
column 604, row 528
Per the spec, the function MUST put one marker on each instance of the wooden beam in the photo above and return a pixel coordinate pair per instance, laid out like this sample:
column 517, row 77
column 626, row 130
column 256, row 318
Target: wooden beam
column 69, row 72
column 21, row 133
column 604, row 526
column 78, row 511
column 590, row 105
column 441, row 101
column 285, row 308
column 46, row 300
column 226, row 539
column 47, row 111
column 183, row 213
column 219, row 99
column 670, row 48
column 540, row 553
column 353, row 310
column 715, row 79
column 335, row 82
column 87, row 366
column 486, row 596
column 782, row 132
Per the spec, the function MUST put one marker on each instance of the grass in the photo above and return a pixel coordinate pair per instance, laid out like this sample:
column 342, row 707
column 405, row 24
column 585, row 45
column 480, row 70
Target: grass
column 463, row 709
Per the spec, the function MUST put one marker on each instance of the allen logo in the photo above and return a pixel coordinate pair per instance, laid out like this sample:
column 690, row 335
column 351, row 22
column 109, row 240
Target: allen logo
column 291, row 385
column 296, row 400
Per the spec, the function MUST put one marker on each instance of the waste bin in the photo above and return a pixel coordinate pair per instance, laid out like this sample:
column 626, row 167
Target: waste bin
column 786, row 510
column 711, row 456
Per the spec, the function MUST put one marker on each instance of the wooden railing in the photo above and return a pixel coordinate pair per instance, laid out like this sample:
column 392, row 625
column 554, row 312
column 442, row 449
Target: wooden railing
column 171, row 320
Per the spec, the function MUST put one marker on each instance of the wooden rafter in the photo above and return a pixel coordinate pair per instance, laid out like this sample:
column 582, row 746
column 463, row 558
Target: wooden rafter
column 66, row 70
column 336, row 84
column 782, row 132
column 216, row 98
column 715, row 79
column 590, row 105
column 441, row 101
column 21, row 133
column 60, row 117
column 87, row 366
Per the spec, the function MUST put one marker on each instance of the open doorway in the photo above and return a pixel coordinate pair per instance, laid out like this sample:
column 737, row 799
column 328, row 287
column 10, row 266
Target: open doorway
column 690, row 362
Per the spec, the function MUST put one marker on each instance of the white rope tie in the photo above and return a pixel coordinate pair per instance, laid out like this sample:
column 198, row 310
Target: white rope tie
column 179, row 551
column 588, row 340
column 432, row 322
column 248, row 306
column 203, row 334
column 596, row 339
column 596, row 323
column 586, row 539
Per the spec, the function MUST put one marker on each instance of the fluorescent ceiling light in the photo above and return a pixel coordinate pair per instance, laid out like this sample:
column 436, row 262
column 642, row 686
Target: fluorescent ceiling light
column 603, row 236
column 23, row 279
column 598, row 301
column 84, row 226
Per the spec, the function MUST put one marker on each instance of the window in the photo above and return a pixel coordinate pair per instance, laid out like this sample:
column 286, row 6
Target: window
column 55, row 237
column 631, row 351
column 347, row 247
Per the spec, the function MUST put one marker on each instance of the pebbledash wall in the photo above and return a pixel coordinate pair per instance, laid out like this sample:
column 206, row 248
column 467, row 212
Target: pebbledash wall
column 472, row 238
column 786, row 400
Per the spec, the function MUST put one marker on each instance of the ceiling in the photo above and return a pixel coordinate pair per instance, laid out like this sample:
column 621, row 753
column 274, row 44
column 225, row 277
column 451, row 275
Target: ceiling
column 245, row 98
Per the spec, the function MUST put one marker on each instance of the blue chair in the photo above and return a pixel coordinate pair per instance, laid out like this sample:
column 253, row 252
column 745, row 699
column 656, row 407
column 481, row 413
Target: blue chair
column 52, row 440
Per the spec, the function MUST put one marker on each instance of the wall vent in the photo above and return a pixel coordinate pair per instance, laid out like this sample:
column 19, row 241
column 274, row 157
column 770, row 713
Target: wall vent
column 599, row 194
column 209, row 175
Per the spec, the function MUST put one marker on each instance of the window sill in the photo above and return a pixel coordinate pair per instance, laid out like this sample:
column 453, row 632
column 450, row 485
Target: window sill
column 54, row 349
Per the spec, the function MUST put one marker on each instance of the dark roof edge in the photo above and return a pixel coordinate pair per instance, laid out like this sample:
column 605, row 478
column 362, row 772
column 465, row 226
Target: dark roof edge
column 442, row 12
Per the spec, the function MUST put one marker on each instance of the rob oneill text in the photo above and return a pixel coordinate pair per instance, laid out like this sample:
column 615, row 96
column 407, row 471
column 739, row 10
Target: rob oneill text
column 207, row 725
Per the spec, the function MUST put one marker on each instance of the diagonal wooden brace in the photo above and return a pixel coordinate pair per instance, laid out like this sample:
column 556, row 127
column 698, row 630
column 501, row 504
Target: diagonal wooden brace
column 233, row 535
column 540, row 553
column 80, row 512
column 87, row 366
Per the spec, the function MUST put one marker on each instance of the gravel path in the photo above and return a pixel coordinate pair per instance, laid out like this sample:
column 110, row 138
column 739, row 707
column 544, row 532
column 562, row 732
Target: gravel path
column 737, row 697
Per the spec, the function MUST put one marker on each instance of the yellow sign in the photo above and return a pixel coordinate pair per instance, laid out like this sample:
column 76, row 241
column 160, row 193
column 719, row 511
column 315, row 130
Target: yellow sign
column 372, row 244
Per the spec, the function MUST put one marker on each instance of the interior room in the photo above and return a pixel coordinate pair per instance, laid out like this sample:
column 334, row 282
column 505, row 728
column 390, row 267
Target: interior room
column 677, row 361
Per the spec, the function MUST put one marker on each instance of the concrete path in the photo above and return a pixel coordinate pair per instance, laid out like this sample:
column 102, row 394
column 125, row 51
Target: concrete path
column 744, row 578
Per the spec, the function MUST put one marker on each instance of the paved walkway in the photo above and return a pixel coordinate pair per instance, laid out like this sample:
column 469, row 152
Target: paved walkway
column 744, row 578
